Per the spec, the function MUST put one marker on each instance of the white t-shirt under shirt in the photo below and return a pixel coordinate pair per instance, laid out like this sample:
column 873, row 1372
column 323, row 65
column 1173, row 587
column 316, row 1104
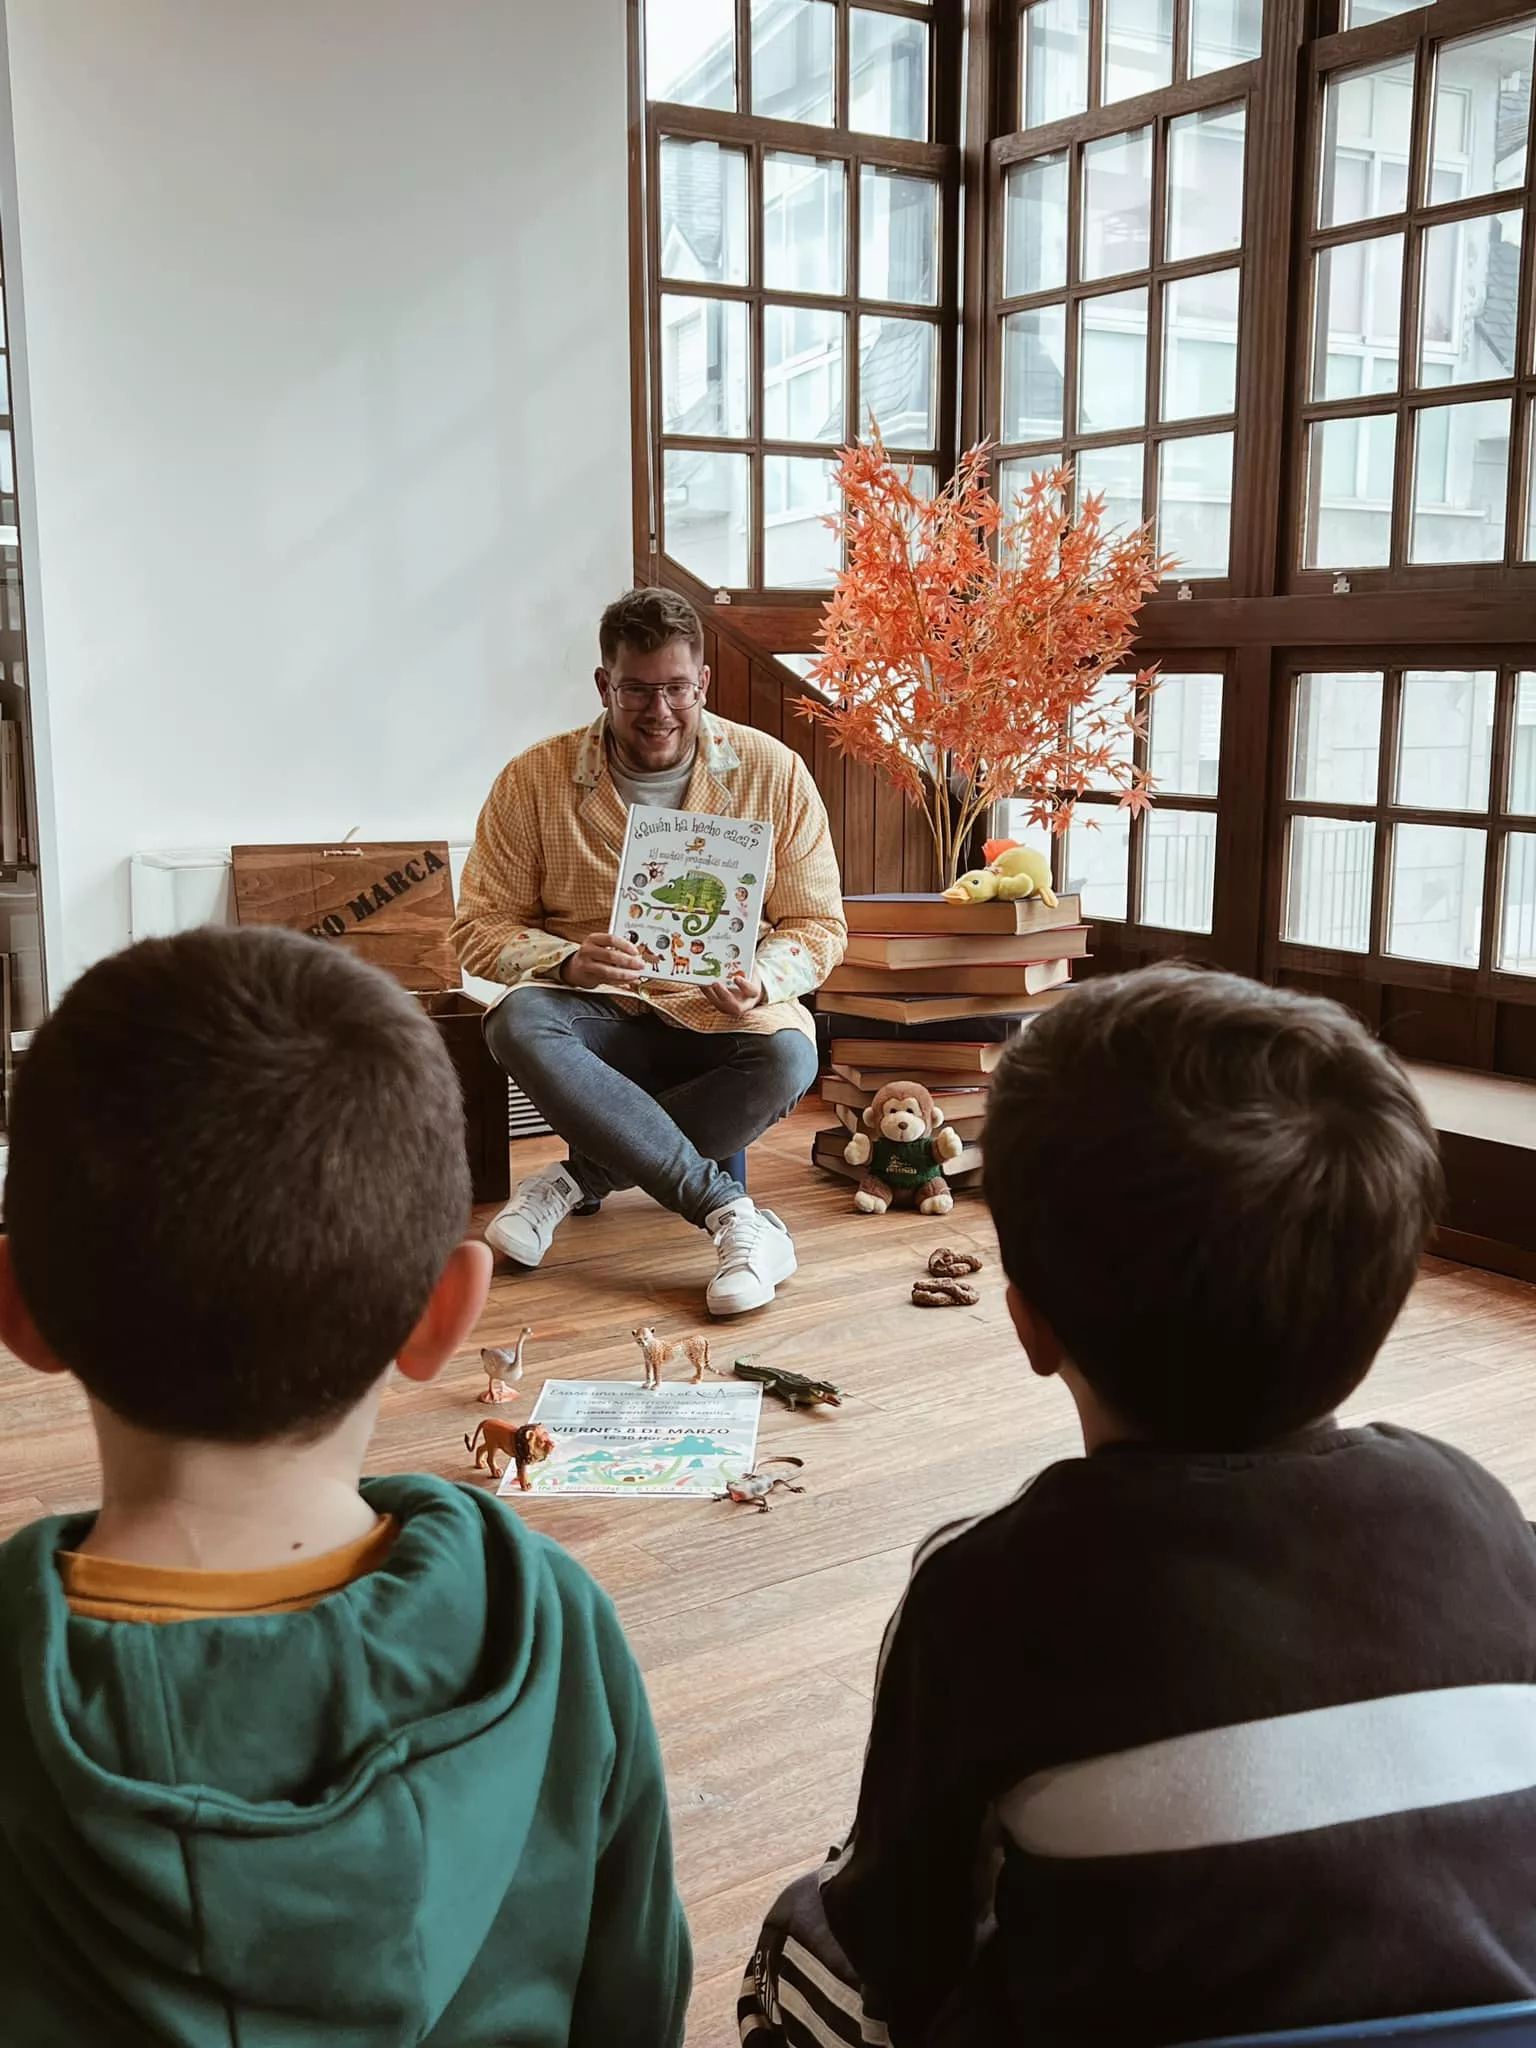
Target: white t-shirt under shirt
column 663, row 790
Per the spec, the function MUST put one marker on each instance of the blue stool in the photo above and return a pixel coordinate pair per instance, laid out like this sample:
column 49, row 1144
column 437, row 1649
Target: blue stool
column 1483, row 2026
column 735, row 1166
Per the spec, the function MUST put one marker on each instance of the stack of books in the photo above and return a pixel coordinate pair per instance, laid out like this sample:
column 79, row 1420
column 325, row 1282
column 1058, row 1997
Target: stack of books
column 915, row 965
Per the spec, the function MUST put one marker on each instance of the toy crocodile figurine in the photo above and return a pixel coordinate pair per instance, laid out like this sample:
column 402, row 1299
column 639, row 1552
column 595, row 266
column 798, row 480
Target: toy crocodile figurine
column 702, row 896
column 791, row 1387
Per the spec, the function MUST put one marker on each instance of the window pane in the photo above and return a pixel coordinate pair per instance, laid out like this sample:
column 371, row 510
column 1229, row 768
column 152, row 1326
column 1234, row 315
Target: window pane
column 705, row 515
column 690, row 52
column 1357, row 310
column 1460, row 470
column 1366, row 120
column 1178, row 869
column 1194, row 505
column 1517, row 916
column 898, row 367
column 1336, row 737
column 1349, row 492
column 1114, row 699
column 703, row 212
column 1034, row 359
column 1117, row 204
column 1522, row 758
column 1468, row 299
column 804, row 202
column 887, row 75
column 792, row 60
column 1113, row 474
column 1053, row 54
column 1435, row 896
column 703, row 365
column 1356, row 13
column 1205, row 183
column 800, row 552
column 803, row 374
column 1014, row 477
column 1445, row 739
column 1138, row 48
column 1200, row 346
column 1528, row 552
column 1012, row 483
column 1098, row 860
column 1223, row 32
column 1328, row 883
column 1035, row 227
column 898, row 237
column 1482, row 105
column 1111, row 361
column 1185, row 747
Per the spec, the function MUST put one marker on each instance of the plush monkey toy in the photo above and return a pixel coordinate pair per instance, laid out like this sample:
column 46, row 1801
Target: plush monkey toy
column 909, row 1154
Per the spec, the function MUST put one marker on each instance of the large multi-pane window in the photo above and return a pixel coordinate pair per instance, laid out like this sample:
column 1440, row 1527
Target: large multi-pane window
column 801, row 225
column 1418, row 367
column 1157, row 869
column 1410, row 810
column 1119, row 292
column 1255, row 272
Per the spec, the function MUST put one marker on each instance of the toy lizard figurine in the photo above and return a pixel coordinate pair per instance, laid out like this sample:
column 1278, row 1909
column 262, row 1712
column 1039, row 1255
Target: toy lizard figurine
column 753, row 1488
column 793, row 1388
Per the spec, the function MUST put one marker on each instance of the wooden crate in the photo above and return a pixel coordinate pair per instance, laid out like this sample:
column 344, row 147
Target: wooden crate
column 392, row 905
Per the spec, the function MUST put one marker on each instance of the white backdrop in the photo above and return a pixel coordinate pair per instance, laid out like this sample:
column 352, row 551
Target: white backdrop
column 325, row 308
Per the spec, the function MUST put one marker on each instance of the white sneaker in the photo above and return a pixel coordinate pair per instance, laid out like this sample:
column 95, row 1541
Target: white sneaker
column 524, row 1229
column 756, row 1252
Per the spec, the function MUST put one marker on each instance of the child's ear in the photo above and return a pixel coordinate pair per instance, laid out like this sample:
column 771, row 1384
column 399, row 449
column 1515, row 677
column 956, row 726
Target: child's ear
column 452, row 1310
column 17, row 1329
column 1042, row 1346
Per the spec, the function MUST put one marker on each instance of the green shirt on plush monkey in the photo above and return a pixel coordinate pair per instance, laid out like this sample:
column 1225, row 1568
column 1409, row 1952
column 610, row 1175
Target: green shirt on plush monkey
column 910, row 1165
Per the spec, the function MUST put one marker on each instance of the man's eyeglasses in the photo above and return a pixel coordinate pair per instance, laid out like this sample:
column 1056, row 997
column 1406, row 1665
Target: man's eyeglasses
column 640, row 696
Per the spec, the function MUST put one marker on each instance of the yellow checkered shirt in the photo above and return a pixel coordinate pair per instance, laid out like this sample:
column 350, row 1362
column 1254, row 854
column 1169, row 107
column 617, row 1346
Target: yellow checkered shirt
column 540, row 877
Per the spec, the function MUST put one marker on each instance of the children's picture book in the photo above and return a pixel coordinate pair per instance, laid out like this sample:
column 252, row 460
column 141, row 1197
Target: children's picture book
column 690, row 892
column 616, row 1438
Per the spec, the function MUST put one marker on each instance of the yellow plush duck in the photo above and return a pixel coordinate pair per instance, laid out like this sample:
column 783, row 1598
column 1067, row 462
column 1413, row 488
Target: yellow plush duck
column 1011, row 871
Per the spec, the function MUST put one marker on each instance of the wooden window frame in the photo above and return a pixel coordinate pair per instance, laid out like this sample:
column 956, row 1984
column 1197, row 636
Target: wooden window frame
column 1495, row 819
column 759, row 135
column 1420, row 35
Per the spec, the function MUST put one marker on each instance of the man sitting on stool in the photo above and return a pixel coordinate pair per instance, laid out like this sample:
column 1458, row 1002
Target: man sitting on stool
column 649, row 1088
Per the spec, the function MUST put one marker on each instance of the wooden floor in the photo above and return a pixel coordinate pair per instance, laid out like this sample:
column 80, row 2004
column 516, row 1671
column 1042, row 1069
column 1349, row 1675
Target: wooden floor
column 758, row 1632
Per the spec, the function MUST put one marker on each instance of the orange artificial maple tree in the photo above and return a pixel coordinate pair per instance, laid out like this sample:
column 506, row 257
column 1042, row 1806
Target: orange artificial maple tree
column 965, row 649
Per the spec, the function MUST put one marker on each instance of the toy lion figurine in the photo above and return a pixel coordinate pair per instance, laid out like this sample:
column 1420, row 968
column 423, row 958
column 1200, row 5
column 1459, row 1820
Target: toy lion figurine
column 908, row 1155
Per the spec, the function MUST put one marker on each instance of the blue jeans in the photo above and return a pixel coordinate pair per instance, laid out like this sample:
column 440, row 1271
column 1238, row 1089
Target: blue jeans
column 642, row 1103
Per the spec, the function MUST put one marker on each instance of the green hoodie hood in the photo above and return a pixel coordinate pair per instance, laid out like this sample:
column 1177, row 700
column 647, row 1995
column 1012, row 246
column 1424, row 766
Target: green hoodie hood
column 429, row 1808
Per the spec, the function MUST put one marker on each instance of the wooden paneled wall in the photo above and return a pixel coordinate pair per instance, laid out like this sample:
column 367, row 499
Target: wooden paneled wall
column 881, row 840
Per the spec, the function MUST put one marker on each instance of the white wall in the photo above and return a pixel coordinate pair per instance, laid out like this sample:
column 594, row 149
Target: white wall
column 326, row 326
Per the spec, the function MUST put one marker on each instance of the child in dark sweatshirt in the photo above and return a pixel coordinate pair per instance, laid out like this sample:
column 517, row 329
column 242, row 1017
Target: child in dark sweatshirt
column 1229, row 1724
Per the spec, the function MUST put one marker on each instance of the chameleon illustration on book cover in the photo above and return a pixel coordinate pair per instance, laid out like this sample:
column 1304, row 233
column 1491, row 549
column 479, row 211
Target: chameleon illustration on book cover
column 690, row 892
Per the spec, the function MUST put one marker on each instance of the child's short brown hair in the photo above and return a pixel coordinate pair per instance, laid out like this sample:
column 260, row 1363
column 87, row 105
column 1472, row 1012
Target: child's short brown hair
column 237, row 1169
column 1216, row 1195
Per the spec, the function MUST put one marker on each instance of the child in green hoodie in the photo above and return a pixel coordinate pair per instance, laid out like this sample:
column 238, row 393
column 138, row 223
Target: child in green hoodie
column 287, row 1755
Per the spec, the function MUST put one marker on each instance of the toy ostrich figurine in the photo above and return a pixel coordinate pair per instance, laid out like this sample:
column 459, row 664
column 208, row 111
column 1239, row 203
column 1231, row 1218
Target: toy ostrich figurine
column 502, row 1364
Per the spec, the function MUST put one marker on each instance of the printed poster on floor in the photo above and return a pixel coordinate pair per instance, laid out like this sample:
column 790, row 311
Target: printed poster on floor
column 614, row 1438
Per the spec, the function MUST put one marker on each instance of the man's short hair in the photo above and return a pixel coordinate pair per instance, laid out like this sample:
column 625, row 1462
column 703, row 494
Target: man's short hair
column 1216, row 1195
column 647, row 619
column 237, row 1170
